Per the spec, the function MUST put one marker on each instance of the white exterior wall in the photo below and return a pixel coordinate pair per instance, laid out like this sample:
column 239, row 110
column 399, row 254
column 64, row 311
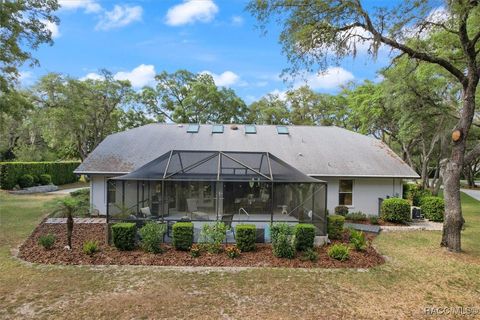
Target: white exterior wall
column 98, row 193
column 366, row 192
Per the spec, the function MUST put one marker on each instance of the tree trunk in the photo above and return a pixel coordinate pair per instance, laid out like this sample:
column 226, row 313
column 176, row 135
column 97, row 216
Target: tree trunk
column 453, row 221
column 69, row 230
column 424, row 174
column 468, row 173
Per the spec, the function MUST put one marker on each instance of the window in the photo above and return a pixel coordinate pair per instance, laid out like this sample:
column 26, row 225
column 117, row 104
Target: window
column 345, row 194
column 193, row 128
column 217, row 128
column 111, row 191
column 282, row 130
column 250, row 129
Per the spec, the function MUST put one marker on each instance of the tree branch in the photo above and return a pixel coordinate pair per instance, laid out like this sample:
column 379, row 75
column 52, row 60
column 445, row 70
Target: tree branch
column 473, row 155
column 408, row 50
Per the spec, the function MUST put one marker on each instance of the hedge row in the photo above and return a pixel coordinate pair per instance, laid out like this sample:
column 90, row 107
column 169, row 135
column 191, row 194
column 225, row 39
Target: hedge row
column 60, row 172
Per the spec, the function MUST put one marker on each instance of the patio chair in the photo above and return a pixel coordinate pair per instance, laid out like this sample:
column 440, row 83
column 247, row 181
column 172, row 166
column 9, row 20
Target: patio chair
column 193, row 210
column 146, row 213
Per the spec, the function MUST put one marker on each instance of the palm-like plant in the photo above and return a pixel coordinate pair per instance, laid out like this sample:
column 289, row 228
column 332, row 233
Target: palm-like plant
column 69, row 207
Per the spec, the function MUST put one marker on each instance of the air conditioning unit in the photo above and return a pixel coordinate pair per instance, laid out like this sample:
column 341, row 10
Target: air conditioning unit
column 416, row 213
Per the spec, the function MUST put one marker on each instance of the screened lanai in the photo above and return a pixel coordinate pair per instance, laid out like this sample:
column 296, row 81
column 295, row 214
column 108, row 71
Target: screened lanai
column 207, row 186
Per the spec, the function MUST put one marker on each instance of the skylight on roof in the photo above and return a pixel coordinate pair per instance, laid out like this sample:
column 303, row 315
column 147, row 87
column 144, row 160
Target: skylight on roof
column 193, row 128
column 282, row 130
column 217, row 128
column 250, row 129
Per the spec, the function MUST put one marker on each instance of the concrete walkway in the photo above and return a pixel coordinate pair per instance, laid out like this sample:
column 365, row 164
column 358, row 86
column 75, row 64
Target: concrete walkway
column 472, row 193
column 67, row 191
column 416, row 226
column 412, row 226
column 363, row 227
column 76, row 220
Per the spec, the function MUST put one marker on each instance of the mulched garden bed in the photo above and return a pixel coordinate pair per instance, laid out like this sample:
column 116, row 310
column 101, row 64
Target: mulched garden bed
column 262, row 257
column 380, row 223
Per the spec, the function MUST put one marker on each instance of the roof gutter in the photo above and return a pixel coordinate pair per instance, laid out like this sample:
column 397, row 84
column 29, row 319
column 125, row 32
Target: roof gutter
column 364, row 175
column 100, row 172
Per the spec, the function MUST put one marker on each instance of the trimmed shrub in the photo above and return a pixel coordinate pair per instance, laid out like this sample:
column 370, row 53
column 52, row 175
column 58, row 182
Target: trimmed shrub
column 433, row 208
column 60, row 172
column 47, row 241
column 152, row 236
column 36, row 180
column 182, row 235
column 283, row 246
column 395, row 210
column 123, row 235
column 341, row 210
column 45, row 179
column 232, row 252
column 309, row 255
column 280, row 228
column 304, row 236
column 90, row 247
column 245, row 236
column 339, row 252
column 358, row 240
column 356, row 216
column 26, row 181
column 414, row 193
column 335, row 226
column 373, row 219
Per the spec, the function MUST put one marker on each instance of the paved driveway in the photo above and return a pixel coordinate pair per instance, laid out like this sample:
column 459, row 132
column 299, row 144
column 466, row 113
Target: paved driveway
column 472, row 193
column 67, row 191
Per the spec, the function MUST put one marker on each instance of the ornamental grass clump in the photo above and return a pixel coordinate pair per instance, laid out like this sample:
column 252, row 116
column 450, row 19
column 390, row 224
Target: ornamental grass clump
column 358, row 240
column 47, row 241
column 339, row 252
column 90, row 247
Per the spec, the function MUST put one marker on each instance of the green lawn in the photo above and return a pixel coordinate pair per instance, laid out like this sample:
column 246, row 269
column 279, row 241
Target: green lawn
column 417, row 274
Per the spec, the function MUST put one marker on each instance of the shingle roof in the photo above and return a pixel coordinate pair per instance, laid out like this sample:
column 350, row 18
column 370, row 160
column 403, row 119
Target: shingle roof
column 314, row 150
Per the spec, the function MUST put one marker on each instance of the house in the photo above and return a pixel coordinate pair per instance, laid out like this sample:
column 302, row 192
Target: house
column 238, row 173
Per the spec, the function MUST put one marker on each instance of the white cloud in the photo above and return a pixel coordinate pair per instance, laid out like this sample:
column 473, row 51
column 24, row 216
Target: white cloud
column 92, row 76
column 191, row 11
column 120, row 16
column 139, row 77
column 331, row 78
column 90, row 6
column 53, row 27
column 281, row 94
column 25, row 78
column 237, row 21
column 225, row 79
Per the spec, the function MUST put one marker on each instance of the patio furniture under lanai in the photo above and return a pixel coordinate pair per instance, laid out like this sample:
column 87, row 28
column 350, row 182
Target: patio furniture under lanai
column 207, row 186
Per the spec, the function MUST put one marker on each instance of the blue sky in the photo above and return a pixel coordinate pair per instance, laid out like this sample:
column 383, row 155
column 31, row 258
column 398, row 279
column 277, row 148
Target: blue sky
column 137, row 39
